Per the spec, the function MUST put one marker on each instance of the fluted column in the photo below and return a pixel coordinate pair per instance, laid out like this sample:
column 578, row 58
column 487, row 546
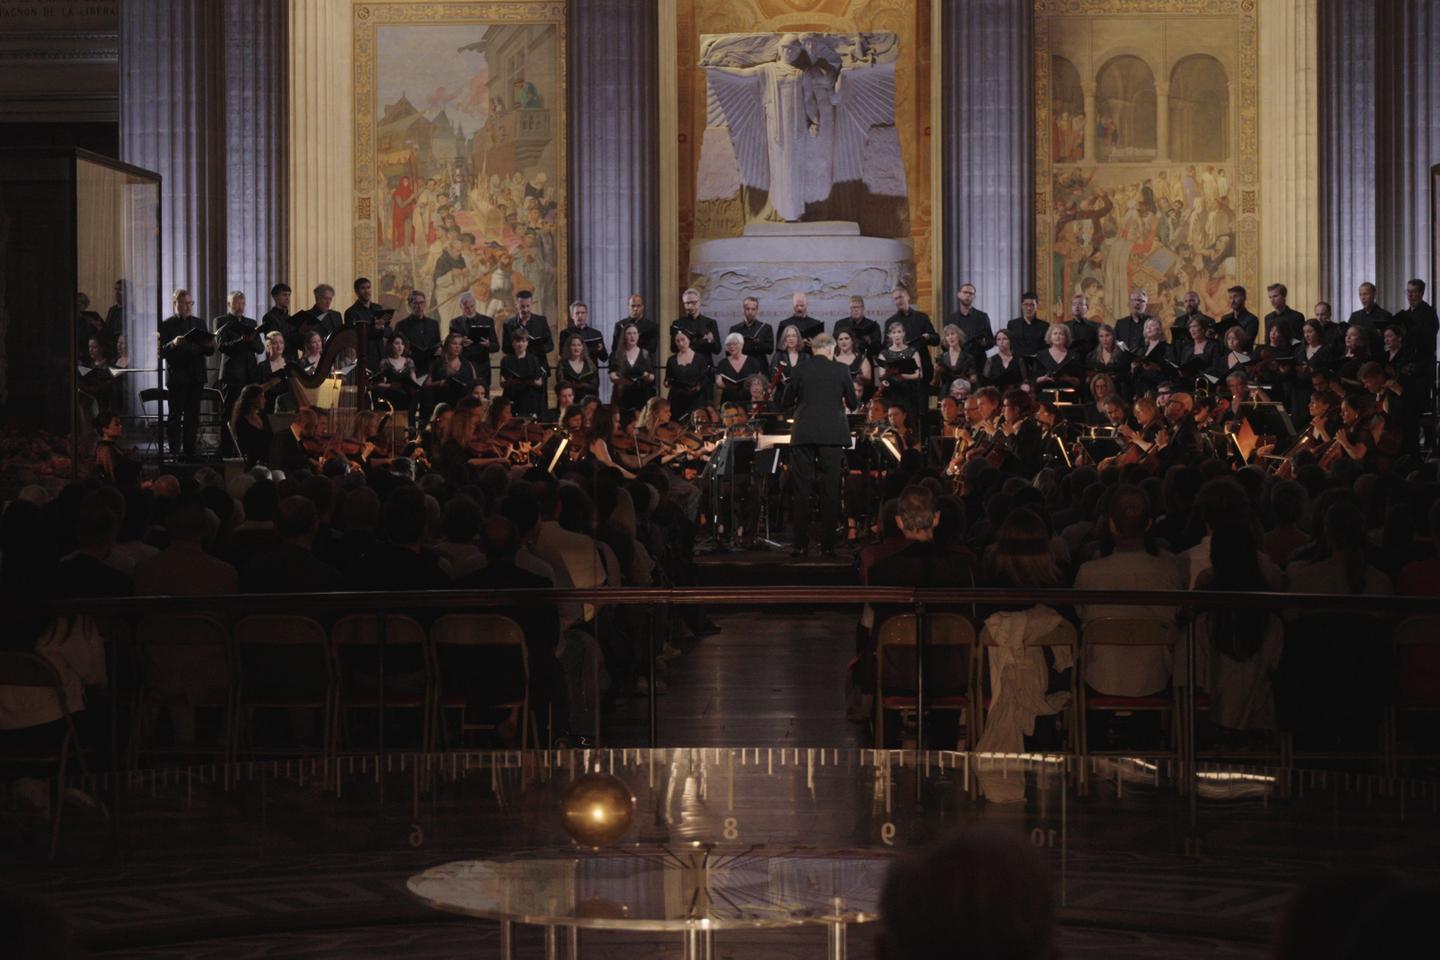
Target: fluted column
column 1408, row 131
column 1087, row 90
column 1347, row 150
column 614, row 157
column 321, row 246
column 256, row 135
column 1162, row 122
column 987, row 152
column 1289, row 161
column 172, row 106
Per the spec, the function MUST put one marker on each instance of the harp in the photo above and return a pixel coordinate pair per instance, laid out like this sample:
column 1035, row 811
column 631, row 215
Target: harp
column 313, row 390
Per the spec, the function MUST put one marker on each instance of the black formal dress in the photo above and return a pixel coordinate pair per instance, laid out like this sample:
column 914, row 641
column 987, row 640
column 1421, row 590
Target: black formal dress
column 1180, row 328
column 733, row 382
column 447, row 386
column 1003, row 375
column 631, row 392
column 1117, row 367
column 785, row 366
column 593, row 339
column 819, row 395
column 911, row 393
column 395, row 384
column 253, row 442
column 585, row 381
column 948, row 370
column 920, row 334
column 688, row 384
column 979, row 336
column 1068, row 371
column 185, row 378
column 517, row 375
column 1373, row 322
column 1150, row 367
column 649, row 340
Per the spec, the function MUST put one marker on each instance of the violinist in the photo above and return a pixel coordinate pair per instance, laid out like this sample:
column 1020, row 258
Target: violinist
column 632, row 370
column 294, row 449
column 1147, row 427
column 564, row 399
column 1102, row 385
column 898, row 428
column 576, row 369
column 603, row 430
column 250, row 428
column 1361, row 437
column 1180, row 445
column 861, row 374
column 367, row 444
column 1110, row 359
column 759, row 395
column 1021, row 434
column 458, row 447
column 1385, row 392
column 394, row 381
column 735, row 369
column 1006, row 369
column 522, row 376
column 687, row 372
column 451, row 375
column 897, row 383
column 1059, row 367
column 954, row 361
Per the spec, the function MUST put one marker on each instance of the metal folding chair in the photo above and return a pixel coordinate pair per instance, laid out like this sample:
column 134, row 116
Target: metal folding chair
column 361, row 647
column 456, row 632
column 949, row 645
column 40, row 681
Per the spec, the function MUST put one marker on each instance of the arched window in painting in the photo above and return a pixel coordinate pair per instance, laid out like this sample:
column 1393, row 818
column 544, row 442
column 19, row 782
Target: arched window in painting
column 1125, row 111
column 1067, row 113
column 1199, row 110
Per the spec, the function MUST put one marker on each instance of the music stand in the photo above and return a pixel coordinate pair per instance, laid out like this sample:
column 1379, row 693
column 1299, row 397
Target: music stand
column 1268, row 419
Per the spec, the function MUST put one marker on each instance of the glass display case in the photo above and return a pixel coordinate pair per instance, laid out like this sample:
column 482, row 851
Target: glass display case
column 79, row 297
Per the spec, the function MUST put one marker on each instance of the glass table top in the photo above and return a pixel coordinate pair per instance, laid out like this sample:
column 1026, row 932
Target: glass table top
column 663, row 887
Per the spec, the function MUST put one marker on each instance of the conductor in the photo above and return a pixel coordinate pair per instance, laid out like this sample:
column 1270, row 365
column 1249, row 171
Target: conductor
column 819, row 394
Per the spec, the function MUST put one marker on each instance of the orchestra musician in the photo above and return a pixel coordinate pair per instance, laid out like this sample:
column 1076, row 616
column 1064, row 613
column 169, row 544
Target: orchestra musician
column 1021, row 434
column 113, row 464
column 288, row 447
column 598, row 437
column 1006, row 369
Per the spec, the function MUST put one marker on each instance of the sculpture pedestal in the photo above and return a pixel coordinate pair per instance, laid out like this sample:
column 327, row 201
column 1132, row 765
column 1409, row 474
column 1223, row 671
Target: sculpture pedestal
column 828, row 261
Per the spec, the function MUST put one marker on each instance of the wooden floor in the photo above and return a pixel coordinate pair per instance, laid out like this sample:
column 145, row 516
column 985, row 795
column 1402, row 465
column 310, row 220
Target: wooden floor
column 769, row 678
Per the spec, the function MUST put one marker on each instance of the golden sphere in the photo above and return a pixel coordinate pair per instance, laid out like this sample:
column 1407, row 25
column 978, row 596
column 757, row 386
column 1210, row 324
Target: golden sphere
column 596, row 809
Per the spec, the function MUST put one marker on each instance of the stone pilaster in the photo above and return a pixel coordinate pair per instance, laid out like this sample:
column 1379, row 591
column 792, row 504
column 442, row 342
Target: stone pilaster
column 1289, row 153
column 614, row 158
column 987, row 165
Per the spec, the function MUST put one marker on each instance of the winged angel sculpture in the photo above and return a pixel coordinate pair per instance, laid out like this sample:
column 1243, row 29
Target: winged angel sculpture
column 800, row 122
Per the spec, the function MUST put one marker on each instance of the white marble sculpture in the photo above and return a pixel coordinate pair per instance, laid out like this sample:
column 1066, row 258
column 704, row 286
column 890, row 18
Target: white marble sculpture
column 800, row 122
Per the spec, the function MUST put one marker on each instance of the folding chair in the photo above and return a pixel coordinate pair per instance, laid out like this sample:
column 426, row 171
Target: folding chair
column 285, row 663
column 950, row 650
column 1062, row 636
column 451, row 638
column 360, row 649
column 1130, row 633
column 41, row 684
column 184, row 662
column 1417, row 653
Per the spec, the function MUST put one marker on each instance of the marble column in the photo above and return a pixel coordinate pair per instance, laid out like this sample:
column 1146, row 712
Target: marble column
column 1408, row 134
column 614, row 161
column 256, row 137
column 987, row 162
column 1289, row 160
column 172, row 106
column 1347, row 110
column 321, row 247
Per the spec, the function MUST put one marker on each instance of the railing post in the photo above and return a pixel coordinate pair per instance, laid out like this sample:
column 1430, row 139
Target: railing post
column 1188, row 764
column 919, row 696
column 660, row 623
